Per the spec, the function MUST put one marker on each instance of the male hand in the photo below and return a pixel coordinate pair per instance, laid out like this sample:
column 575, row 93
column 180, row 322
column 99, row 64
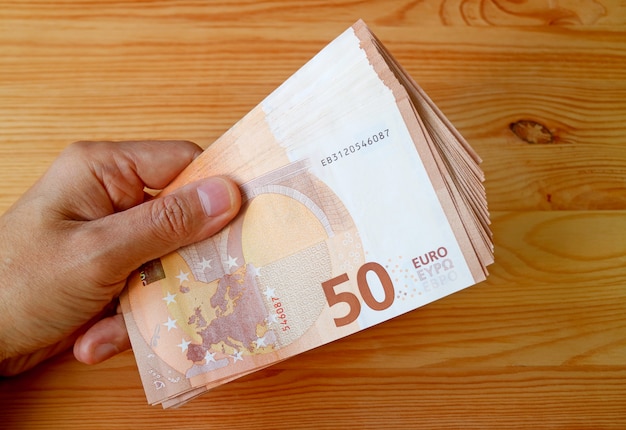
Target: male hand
column 69, row 243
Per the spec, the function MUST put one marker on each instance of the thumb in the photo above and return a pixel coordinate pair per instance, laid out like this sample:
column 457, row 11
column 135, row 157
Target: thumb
column 152, row 229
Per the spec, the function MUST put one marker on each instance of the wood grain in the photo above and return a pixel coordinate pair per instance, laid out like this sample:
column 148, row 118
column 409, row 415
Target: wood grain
column 514, row 397
column 113, row 76
column 537, row 87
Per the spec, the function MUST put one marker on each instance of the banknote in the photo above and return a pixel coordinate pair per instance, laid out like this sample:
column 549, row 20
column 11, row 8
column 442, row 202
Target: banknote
column 360, row 202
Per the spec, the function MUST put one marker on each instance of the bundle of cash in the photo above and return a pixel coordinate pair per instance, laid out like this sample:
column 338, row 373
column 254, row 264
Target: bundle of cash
column 360, row 202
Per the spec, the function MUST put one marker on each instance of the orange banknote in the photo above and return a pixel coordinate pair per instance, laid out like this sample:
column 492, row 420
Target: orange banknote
column 361, row 202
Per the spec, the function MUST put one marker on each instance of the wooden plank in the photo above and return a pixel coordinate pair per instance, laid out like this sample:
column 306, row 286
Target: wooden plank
column 392, row 12
column 321, row 398
column 571, row 83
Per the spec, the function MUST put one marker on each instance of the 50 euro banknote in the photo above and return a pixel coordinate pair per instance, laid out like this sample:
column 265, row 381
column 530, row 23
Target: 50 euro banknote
column 360, row 203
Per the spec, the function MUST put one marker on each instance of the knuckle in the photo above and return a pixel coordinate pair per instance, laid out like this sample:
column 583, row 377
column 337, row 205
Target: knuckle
column 172, row 217
column 81, row 148
column 82, row 152
column 88, row 148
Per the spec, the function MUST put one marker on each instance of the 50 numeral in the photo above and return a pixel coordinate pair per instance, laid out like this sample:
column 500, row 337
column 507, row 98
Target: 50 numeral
column 366, row 292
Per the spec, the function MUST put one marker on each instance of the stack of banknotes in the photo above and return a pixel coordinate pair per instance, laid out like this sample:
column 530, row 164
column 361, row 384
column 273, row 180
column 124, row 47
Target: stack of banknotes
column 361, row 203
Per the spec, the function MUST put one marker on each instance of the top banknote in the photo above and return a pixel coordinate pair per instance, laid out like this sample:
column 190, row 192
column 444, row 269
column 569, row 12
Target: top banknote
column 361, row 202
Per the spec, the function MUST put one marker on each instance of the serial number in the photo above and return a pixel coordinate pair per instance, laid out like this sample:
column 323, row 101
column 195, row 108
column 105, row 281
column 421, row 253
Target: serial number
column 355, row 147
column 280, row 313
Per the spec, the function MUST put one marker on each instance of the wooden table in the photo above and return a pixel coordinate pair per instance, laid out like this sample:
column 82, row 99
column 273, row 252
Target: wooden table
column 537, row 87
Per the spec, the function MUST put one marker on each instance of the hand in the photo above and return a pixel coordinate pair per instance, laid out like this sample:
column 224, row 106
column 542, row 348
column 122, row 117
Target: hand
column 69, row 243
